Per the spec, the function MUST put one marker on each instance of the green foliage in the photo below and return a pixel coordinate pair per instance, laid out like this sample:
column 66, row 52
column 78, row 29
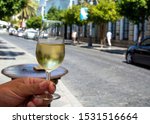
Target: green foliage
column 53, row 14
column 10, row 7
column 28, row 10
column 34, row 22
column 104, row 11
column 72, row 16
column 136, row 11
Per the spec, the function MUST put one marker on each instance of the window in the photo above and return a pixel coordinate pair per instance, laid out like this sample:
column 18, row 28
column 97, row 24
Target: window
column 125, row 29
column 113, row 30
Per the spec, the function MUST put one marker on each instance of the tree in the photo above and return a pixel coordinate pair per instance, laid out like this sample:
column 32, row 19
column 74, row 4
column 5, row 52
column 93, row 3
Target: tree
column 137, row 11
column 28, row 10
column 102, row 13
column 53, row 13
column 10, row 7
column 72, row 16
column 34, row 22
column 56, row 15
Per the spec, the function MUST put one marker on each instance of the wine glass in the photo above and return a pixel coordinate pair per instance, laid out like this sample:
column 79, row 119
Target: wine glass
column 50, row 52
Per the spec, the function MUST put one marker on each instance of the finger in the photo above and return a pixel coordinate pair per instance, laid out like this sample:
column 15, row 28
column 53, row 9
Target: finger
column 45, row 85
column 39, row 86
column 42, row 100
column 30, row 104
column 52, row 88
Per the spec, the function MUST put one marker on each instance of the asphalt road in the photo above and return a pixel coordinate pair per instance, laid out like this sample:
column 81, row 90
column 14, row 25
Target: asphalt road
column 99, row 78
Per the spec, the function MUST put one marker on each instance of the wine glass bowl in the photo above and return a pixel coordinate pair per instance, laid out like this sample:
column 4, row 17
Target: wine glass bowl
column 50, row 55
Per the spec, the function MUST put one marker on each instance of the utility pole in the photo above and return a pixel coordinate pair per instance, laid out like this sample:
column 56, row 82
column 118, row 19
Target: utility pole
column 90, row 30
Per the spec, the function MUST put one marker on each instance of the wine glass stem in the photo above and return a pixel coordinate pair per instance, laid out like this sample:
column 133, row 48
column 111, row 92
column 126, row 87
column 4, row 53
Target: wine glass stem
column 48, row 75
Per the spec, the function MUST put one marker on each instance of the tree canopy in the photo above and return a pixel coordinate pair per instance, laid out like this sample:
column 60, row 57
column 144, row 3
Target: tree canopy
column 72, row 16
column 28, row 10
column 136, row 11
column 54, row 14
column 103, row 12
column 34, row 22
column 10, row 7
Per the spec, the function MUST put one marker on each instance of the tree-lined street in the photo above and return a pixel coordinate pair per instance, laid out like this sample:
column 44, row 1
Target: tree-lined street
column 99, row 78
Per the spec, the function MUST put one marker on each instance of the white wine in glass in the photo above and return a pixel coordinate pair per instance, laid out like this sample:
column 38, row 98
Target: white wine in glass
column 50, row 56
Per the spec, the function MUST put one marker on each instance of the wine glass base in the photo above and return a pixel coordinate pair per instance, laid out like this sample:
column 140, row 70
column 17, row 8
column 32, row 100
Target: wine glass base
column 56, row 96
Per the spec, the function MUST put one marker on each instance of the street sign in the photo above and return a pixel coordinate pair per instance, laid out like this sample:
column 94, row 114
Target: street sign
column 83, row 13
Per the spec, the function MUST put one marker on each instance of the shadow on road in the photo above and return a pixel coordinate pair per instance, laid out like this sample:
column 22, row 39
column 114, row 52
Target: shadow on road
column 4, row 47
column 2, row 42
column 139, row 65
column 107, row 49
column 5, row 58
column 115, row 51
column 10, row 53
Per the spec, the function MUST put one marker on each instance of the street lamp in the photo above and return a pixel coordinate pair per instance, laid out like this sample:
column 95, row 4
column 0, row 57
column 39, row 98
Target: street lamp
column 43, row 9
column 90, row 30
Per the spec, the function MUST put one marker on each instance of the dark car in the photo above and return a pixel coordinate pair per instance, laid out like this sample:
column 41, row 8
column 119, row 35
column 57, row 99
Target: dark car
column 139, row 53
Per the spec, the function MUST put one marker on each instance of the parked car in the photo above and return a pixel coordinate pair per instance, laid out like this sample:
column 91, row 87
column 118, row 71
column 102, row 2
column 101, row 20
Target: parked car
column 30, row 34
column 44, row 34
column 139, row 53
column 20, row 32
column 12, row 31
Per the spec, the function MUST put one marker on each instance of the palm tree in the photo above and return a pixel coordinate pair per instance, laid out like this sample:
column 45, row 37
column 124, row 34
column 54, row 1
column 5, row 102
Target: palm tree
column 28, row 10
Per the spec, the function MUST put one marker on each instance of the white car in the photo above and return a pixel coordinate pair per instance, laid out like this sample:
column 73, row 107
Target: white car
column 30, row 33
column 20, row 32
column 44, row 35
column 12, row 31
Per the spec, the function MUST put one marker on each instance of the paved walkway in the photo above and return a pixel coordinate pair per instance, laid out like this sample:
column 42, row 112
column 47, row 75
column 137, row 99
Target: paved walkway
column 13, row 55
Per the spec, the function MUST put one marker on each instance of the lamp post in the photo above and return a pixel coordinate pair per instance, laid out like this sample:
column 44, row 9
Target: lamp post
column 43, row 9
column 90, row 30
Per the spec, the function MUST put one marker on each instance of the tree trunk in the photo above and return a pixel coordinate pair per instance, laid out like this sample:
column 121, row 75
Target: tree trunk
column 102, row 34
column 65, row 31
column 78, row 36
column 70, row 37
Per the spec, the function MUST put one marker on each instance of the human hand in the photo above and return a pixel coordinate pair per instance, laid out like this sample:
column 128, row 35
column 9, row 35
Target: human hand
column 21, row 92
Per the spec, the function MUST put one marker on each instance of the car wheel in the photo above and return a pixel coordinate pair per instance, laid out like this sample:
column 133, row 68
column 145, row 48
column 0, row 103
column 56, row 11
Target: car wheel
column 129, row 58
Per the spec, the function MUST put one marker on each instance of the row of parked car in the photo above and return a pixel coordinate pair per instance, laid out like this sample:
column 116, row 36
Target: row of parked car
column 28, row 33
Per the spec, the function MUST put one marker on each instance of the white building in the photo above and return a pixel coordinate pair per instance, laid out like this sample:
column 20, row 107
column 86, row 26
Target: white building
column 45, row 5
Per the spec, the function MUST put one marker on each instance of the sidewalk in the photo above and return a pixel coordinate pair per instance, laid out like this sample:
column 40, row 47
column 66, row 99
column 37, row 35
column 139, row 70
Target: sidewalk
column 13, row 55
column 112, row 49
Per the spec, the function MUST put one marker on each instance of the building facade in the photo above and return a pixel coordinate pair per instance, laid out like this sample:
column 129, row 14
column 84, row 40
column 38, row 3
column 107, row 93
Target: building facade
column 123, row 31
